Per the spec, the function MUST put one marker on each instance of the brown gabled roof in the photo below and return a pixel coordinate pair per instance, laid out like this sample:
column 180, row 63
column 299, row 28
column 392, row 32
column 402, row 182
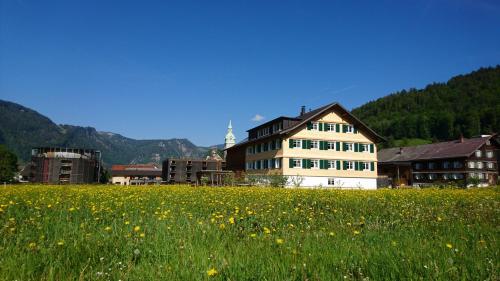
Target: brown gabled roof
column 441, row 150
column 309, row 116
column 136, row 170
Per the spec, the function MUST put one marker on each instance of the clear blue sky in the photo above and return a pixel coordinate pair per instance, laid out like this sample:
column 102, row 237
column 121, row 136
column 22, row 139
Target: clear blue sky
column 164, row 69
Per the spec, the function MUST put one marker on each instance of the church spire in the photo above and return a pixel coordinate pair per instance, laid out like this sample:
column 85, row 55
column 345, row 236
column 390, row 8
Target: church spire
column 230, row 140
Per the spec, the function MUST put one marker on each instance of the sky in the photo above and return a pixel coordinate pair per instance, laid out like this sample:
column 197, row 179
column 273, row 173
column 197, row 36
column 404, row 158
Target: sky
column 183, row 69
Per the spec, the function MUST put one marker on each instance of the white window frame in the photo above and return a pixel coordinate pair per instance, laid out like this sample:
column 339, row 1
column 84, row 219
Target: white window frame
column 471, row 165
column 350, row 129
column 314, row 164
column 297, row 144
column 366, row 147
column 479, row 165
column 331, row 181
column 315, row 126
column 490, row 165
column 330, row 145
column 457, row 164
column 489, row 154
column 365, row 165
column 332, row 164
column 295, row 161
column 314, row 144
column 431, row 176
column 330, row 127
column 446, row 165
column 479, row 153
column 350, row 165
column 446, row 176
column 277, row 163
column 350, row 146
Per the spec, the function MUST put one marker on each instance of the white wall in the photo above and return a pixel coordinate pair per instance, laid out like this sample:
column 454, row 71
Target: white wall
column 341, row 183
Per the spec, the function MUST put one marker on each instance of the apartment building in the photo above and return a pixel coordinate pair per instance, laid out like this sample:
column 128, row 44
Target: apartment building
column 456, row 161
column 326, row 147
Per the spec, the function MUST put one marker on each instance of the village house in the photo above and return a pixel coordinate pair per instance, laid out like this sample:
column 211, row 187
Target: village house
column 141, row 174
column 326, row 147
column 460, row 162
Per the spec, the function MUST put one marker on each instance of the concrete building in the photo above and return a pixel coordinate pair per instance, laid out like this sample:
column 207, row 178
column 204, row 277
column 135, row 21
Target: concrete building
column 326, row 147
column 188, row 170
column 445, row 162
column 56, row 165
column 142, row 174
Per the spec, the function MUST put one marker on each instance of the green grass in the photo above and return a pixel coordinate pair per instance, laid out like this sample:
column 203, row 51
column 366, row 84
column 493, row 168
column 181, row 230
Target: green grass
column 87, row 233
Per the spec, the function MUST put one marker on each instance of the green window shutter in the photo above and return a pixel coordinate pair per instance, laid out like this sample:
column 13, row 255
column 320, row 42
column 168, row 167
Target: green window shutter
column 372, row 166
column 356, row 147
column 356, row 166
column 361, row 147
column 344, row 128
column 290, row 162
column 309, row 125
column 337, row 128
column 309, row 163
column 321, row 164
column 320, row 126
column 372, row 149
column 304, row 163
column 355, row 130
column 338, row 165
column 344, row 165
column 304, row 144
column 290, row 143
column 323, row 145
column 344, row 147
column 337, row 146
column 308, row 144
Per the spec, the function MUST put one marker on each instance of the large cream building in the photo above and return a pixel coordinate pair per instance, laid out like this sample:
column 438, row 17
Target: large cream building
column 326, row 147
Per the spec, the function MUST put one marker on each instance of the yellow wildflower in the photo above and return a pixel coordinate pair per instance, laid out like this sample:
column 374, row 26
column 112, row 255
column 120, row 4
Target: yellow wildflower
column 231, row 220
column 222, row 226
column 266, row 230
column 279, row 241
column 137, row 228
column 142, row 235
column 108, row 228
column 32, row 245
column 212, row 272
column 449, row 246
column 356, row 232
column 60, row 243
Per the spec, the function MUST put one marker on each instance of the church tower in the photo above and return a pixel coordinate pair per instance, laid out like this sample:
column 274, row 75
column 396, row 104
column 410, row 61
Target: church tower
column 230, row 140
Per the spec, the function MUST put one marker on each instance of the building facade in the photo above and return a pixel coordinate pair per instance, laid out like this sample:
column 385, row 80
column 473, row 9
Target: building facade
column 460, row 162
column 142, row 174
column 188, row 170
column 326, row 147
column 56, row 165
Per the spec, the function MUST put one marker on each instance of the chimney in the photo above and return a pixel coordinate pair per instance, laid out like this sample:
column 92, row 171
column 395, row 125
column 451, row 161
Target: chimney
column 302, row 110
column 461, row 139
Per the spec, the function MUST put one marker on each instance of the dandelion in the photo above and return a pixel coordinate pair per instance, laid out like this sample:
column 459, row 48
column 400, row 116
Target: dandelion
column 449, row 246
column 108, row 228
column 32, row 245
column 127, row 223
column 71, row 209
column 137, row 228
column 439, row 219
column 212, row 272
column 332, row 234
column 279, row 241
column 356, row 232
column 60, row 243
column 231, row 220
column 222, row 226
column 142, row 235
column 267, row 230
column 253, row 235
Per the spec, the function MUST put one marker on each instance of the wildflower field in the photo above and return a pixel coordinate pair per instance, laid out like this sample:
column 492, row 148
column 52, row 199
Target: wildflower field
column 188, row 233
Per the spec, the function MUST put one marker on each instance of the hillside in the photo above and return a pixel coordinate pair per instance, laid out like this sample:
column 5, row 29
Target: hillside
column 22, row 128
column 466, row 104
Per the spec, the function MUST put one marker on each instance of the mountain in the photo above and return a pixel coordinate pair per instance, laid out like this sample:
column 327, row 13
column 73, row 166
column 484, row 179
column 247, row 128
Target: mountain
column 466, row 105
column 22, row 128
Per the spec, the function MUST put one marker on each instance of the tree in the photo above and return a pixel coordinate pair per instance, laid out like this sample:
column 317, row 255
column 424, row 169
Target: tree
column 8, row 165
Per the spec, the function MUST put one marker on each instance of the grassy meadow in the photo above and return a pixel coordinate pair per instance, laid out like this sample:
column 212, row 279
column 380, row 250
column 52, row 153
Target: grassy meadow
column 187, row 233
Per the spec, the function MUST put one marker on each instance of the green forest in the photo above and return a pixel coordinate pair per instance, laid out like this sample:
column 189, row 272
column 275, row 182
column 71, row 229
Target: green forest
column 467, row 105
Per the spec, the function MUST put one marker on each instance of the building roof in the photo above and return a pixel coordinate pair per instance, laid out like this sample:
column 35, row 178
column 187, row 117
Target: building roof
column 135, row 170
column 309, row 116
column 442, row 150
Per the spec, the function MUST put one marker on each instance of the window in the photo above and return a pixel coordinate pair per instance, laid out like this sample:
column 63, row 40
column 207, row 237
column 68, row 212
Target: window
column 330, row 127
column 490, row 165
column 265, row 147
column 250, row 150
column 446, row 176
column 471, row 165
column 472, row 175
column 431, row 165
column 277, row 163
column 265, row 131
column 418, row 177
column 297, row 163
column 331, row 164
column 331, row 145
column 489, row 154
column 432, row 176
column 249, row 165
column 297, row 143
column 315, row 126
column 349, row 165
column 363, row 147
column 479, row 165
column 278, row 144
column 457, row 164
column 457, row 176
column 348, row 129
column 446, row 165
column 480, row 176
column 314, row 144
column 479, row 153
column 348, row 146
column 365, row 165
column 418, row 166
column 314, row 164
column 265, row 164
column 331, row 181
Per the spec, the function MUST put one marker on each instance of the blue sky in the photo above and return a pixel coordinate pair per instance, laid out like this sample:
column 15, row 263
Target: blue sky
column 165, row 69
